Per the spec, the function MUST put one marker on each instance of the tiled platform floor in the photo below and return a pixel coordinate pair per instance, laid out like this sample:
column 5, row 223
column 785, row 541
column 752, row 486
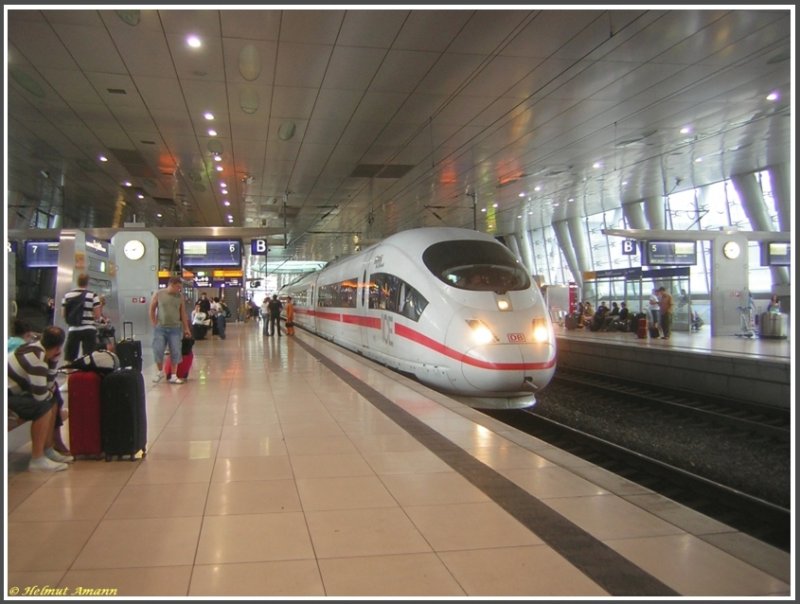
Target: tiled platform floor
column 273, row 473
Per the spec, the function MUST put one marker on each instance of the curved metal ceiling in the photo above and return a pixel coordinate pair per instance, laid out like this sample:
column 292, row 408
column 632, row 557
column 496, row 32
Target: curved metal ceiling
column 338, row 127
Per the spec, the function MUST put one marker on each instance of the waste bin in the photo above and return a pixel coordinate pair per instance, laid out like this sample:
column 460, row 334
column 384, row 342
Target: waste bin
column 774, row 325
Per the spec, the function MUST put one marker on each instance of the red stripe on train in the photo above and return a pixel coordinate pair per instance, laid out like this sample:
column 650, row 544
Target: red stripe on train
column 417, row 337
column 423, row 340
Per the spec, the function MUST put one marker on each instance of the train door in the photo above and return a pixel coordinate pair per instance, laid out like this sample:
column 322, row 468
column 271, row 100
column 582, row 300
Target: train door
column 363, row 301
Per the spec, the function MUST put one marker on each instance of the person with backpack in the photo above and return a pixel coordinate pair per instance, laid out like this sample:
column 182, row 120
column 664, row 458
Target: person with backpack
column 80, row 308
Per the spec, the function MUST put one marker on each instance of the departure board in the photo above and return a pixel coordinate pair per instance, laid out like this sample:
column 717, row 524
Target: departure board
column 211, row 252
column 779, row 253
column 41, row 254
column 670, row 253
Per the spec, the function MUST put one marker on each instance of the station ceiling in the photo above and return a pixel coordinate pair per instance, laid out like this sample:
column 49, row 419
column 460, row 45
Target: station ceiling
column 335, row 128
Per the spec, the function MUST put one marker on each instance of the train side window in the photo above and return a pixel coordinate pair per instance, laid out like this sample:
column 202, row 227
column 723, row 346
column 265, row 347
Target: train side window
column 389, row 292
column 339, row 295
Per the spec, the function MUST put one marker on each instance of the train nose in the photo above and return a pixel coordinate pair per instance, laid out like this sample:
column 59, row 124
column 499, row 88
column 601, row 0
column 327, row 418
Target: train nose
column 493, row 368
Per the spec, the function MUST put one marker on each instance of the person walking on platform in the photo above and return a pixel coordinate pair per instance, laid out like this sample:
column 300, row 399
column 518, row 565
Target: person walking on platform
column 289, row 316
column 275, row 307
column 168, row 316
column 218, row 310
column 265, row 315
column 665, row 308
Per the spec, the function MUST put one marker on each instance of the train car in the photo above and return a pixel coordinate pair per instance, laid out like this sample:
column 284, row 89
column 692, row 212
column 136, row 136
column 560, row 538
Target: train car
column 451, row 306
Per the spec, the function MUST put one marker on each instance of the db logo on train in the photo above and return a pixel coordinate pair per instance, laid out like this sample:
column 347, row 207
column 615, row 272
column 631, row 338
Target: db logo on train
column 516, row 338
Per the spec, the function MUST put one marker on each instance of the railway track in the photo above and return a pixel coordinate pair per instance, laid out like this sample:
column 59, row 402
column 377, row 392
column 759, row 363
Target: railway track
column 730, row 464
column 749, row 417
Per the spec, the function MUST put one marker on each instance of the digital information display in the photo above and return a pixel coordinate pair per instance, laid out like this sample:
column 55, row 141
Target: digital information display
column 671, row 253
column 41, row 254
column 211, row 253
column 779, row 253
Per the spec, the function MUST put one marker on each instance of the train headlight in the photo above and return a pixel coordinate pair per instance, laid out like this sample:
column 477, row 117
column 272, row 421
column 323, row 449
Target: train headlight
column 503, row 304
column 540, row 331
column 481, row 334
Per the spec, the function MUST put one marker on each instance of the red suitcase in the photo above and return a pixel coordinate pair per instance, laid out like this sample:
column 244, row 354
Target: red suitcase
column 84, row 413
column 182, row 371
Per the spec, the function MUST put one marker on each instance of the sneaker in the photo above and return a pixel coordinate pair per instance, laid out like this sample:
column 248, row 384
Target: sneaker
column 43, row 464
column 58, row 457
column 159, row 377
column 175, row 380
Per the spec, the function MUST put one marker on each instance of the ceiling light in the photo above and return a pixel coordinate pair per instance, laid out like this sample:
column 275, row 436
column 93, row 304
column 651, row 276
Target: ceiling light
column 494, row 205
column 537, row 188
column 102, row 158
column 226, row 203
column 286, row 130
column 521, row 195
column 249, row 62
column 773, row 96
column 248, row 100
column 140, row 195
column 159, row 215
column 597, row 165
column 686, row 130
column 131, row 17
column 212, row 132
column 217, row 158
column 698, row 160
column 208, row 115
column 194, row 41
column 127, row 183
column 219, row 168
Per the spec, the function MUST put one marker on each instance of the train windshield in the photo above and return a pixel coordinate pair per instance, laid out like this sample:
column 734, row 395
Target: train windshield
column 476, row 266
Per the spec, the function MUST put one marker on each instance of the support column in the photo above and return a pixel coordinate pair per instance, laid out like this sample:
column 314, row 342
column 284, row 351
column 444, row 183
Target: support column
column 779, row 177
column 730, row 288
column 524, row 235
column 573, row 241
column 755, row 209
column 654, row 209
column 634, row 215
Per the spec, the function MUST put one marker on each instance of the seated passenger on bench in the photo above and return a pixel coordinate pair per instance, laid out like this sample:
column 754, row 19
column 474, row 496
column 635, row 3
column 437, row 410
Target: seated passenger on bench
column 32, row 395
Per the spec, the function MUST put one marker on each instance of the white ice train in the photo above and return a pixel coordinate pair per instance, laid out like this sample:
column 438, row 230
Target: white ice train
column 451, row 306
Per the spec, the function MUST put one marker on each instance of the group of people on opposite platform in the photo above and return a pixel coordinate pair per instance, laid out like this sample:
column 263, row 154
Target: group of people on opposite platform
column 619, row 318
column 271, row 309
column 616, row 318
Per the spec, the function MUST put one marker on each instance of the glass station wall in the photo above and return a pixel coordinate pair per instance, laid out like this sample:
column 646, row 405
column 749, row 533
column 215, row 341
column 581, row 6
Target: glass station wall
column 708, row 208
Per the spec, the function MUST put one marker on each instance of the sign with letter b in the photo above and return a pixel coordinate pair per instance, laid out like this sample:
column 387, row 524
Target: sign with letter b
column 629, row 247
column 258, row 247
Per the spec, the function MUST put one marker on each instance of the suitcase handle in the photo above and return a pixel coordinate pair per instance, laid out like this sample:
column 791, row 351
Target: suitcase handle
column 125, row 332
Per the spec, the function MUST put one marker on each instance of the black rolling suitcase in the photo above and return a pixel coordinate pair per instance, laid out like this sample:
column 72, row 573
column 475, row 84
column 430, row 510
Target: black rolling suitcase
column 123, row 414
column 653, row 331
column 129, row 350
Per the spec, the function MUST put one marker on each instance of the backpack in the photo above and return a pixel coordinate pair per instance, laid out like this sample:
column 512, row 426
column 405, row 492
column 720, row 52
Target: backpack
column 74, row 309
column 101, row 361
